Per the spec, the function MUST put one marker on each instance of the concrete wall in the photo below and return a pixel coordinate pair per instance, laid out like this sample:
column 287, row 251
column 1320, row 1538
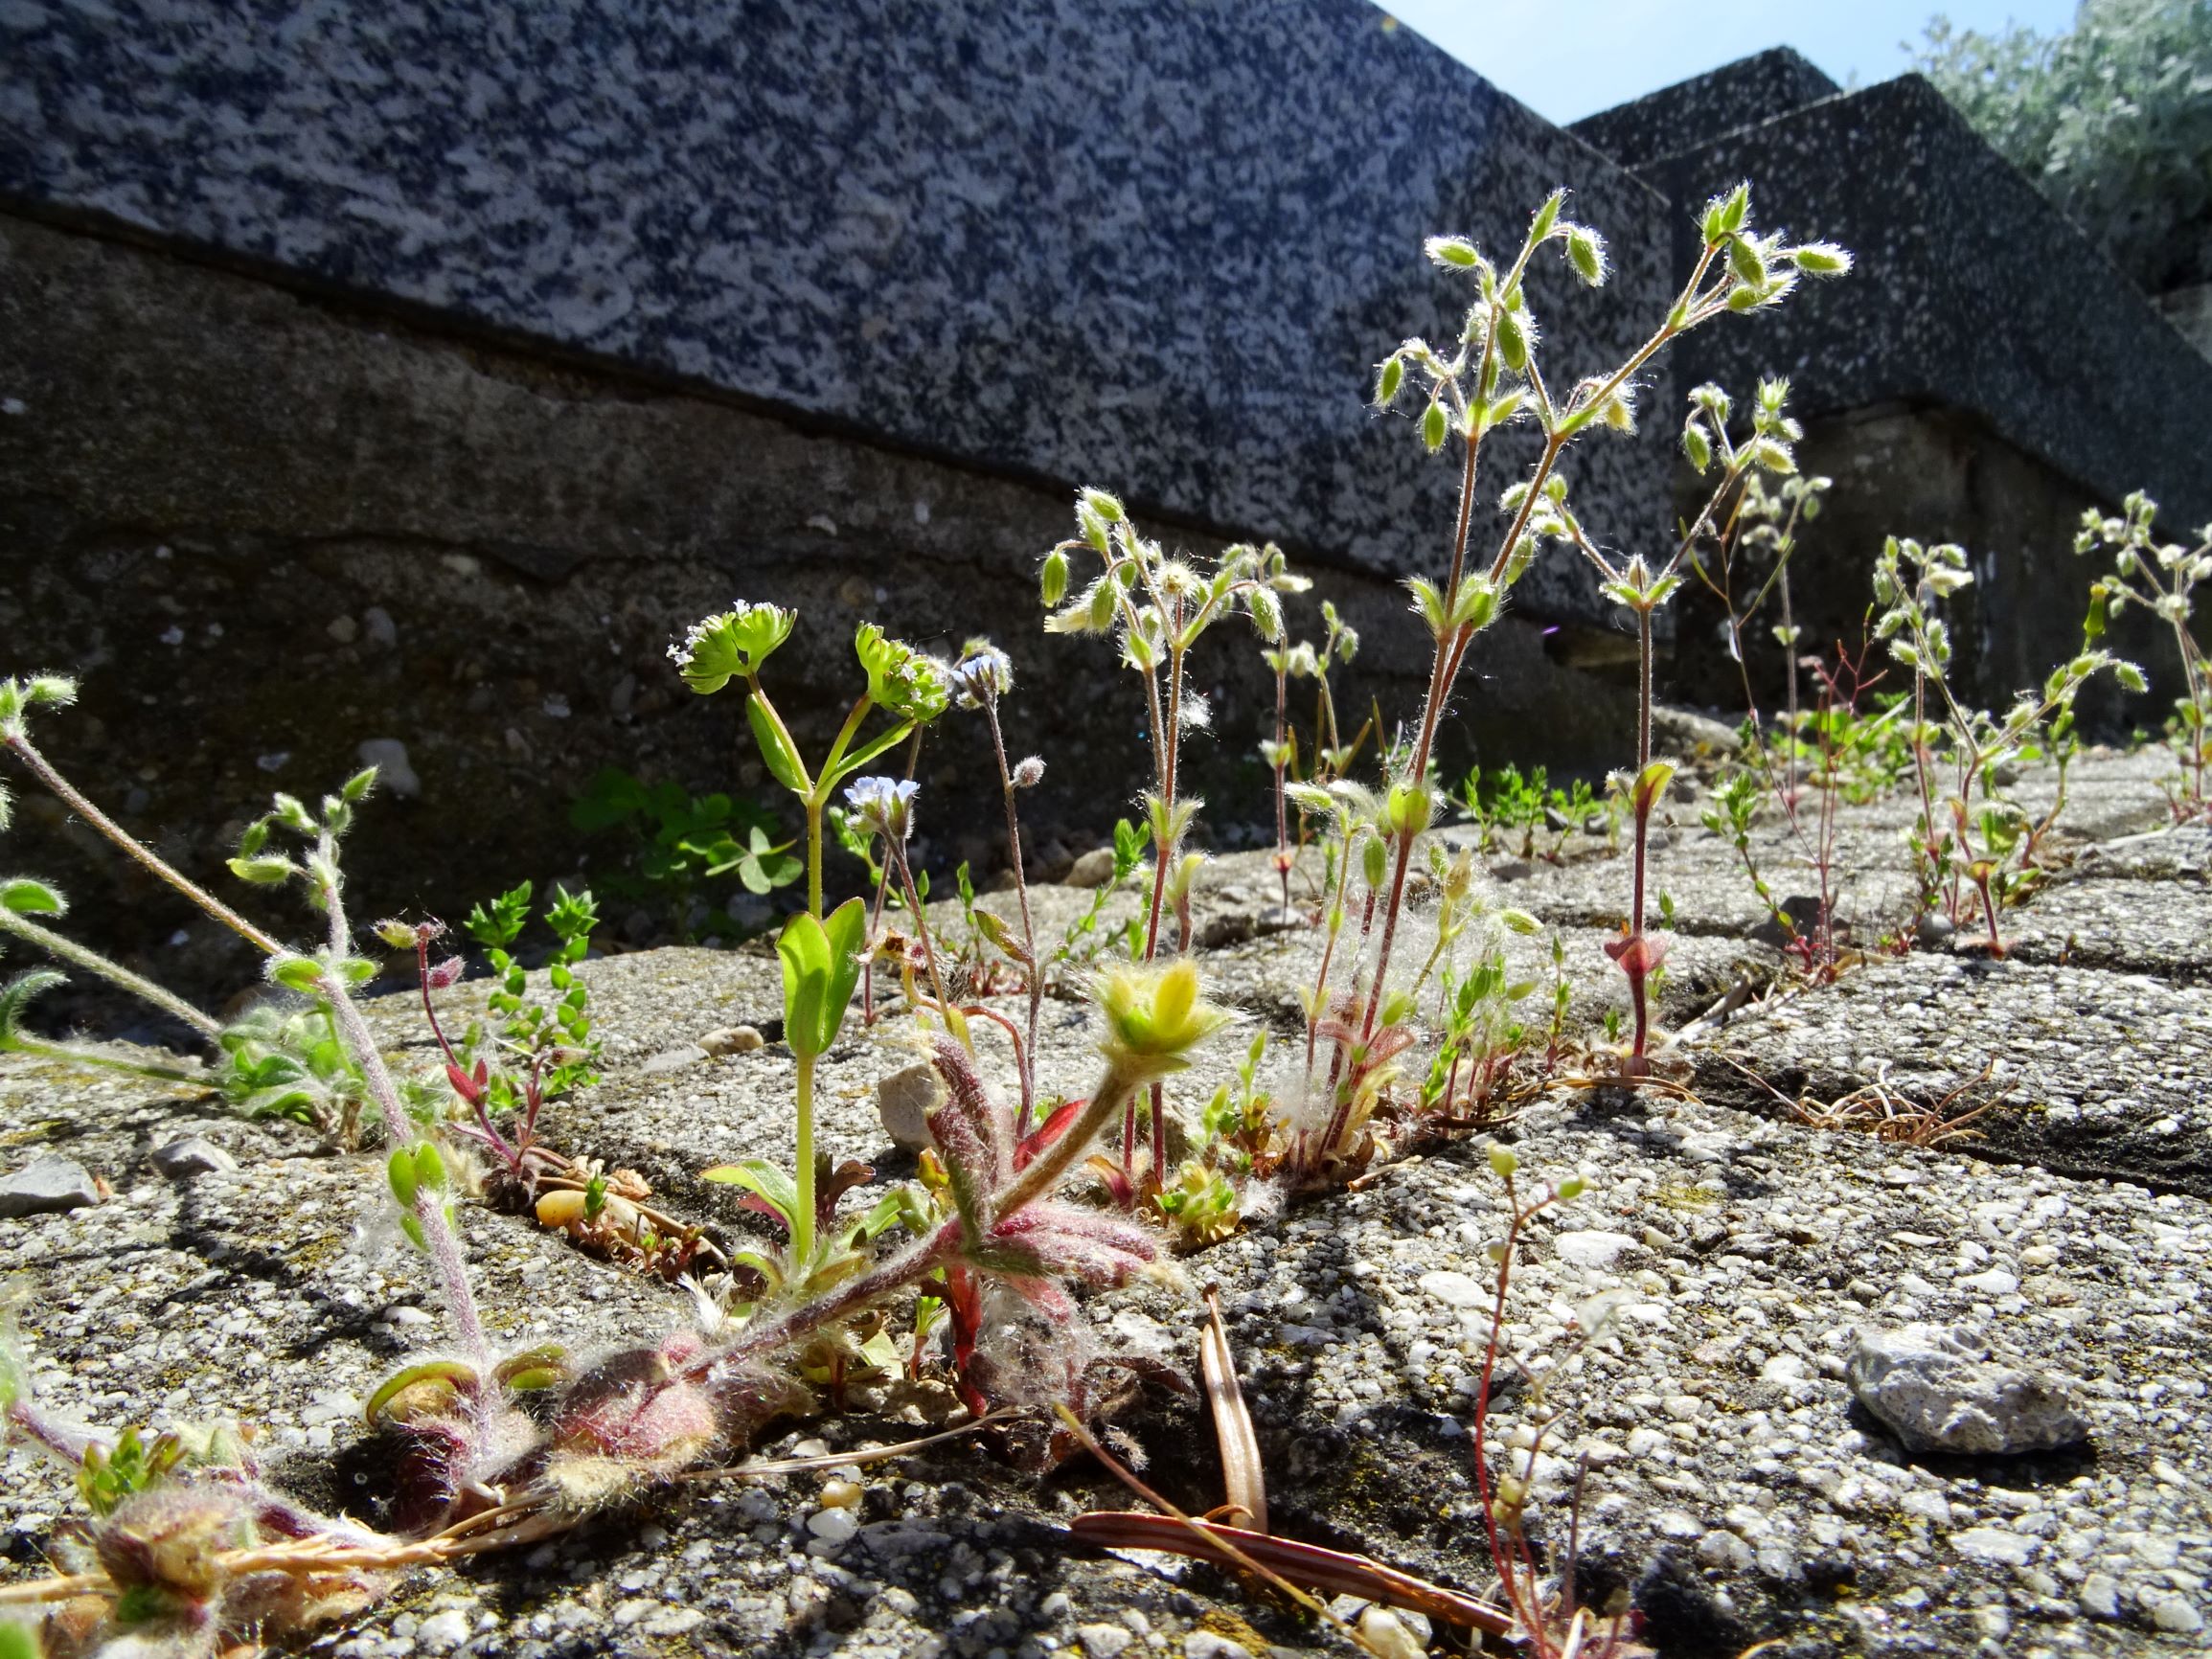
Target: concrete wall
column 265, row 527
column 1937, row 475
column 1149, row 243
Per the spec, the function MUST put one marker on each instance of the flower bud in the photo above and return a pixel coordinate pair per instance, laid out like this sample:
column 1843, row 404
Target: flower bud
column 1052, row 582
column 1586, row 253
column 1503, row 1163
column 1028, row 772
column 1391, row 376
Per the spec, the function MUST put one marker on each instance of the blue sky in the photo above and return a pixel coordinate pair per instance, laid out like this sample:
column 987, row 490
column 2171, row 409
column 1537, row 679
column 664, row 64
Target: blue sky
column 1568, row 59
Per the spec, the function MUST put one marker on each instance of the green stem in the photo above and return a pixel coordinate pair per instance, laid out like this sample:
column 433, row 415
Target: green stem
column 814, row 805
column 441, row 1241
column 69, row 950
column 803, row 1223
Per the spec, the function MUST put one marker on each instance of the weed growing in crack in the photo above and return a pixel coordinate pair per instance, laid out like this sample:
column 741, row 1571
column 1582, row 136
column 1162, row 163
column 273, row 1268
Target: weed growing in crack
column 492, row 1449
column 1546, row 1614
column 1986, row 842
column 1332, row 757
column 1502, row 804
column 1491, row 379
column 2162, row 577
column 1156, row 606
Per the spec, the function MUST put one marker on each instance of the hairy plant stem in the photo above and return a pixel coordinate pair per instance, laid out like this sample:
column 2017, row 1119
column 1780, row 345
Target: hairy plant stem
column 1643, row 811
column 939, row 1248
column 1028, row 929
column 137, row 850
column 114, row 972
column 88, row 1057
column 444, row 1247
column 876, row 914
column 1514, row 1588
column 1282, row 760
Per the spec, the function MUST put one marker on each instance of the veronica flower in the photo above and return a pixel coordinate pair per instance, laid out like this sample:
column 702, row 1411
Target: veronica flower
column 983, row 674
column 884, row 805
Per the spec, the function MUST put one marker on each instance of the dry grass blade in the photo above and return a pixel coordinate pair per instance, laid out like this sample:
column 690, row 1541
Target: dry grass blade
column 1331, row 1570
column 1882, row 1112
column 769, row 1469
column 1244, row 1479
column 1178, row 1526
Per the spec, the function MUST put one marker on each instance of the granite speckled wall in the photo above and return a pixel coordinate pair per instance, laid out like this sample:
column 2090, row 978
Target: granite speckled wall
column 1972, row 294
column 1153, row 243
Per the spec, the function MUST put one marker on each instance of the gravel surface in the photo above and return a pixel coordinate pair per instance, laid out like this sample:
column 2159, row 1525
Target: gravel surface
column 1737, row 1485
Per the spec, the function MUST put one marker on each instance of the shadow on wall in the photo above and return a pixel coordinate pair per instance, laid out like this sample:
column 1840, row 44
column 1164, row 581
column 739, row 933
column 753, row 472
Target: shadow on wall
column 266, row 532
column 1934, row 474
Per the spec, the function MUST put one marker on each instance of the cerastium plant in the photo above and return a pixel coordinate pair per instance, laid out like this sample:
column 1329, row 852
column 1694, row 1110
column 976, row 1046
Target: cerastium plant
column 1989, row 833
column 1156, row 606
column 1490, row 377
column 190, row 1549
column 2161, row 576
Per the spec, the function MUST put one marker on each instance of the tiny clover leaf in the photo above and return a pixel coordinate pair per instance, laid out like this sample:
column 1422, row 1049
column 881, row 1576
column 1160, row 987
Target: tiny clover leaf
column 731, row 646
column 821, row 966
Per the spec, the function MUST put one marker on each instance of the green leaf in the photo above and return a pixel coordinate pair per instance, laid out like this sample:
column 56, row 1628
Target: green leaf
column 263, row 871
column 868, row 751
column 772, row 1186
column 28, row 898
column 19, row 993
column 847, row 931
column 498, row 925
column 300, row 973
column 776, row 748
column 1651, row 783
column 803, row 948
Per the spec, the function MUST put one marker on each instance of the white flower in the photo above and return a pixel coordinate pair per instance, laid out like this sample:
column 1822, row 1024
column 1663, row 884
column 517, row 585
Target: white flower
column 884, row 805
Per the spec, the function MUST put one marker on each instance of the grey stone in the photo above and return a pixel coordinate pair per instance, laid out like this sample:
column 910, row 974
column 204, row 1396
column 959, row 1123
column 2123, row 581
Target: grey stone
column 383, row 631
column 190, row 1155
column 1698, row 740
column 904, row 1100
column 1092, row 869
column 1940, row 1390
column 44, row 1187
column 1085, row 251
column 394, row 773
